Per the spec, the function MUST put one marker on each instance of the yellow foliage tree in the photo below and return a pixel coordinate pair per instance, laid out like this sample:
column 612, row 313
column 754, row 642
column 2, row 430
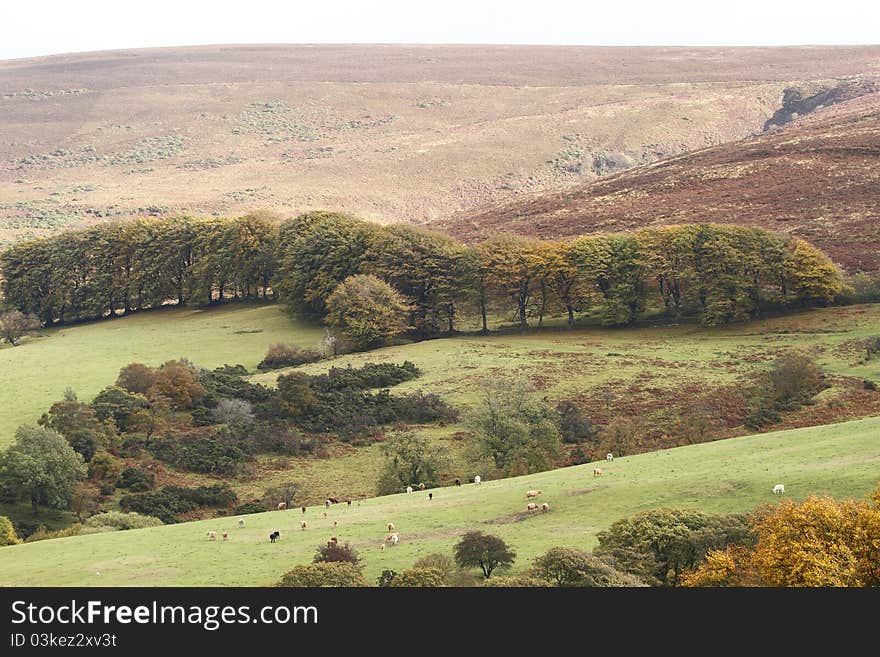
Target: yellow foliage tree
column 819, row 542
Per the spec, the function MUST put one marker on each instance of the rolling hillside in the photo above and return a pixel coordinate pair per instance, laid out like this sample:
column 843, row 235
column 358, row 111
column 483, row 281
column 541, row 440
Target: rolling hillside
column 733, row 475
column 392, row 133
column 816, row 177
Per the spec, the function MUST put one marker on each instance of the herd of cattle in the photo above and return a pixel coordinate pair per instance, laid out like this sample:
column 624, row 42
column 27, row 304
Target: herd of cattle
column 392, row 538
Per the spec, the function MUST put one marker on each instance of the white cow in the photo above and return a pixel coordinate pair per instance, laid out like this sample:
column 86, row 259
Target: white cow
column 409, row 489
column 395, row 539
column 779, row 488
column 477, row 479
column 609, row 456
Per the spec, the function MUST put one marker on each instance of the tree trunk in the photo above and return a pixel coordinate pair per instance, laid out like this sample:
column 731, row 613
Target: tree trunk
column 570, row 310
column 483, row 305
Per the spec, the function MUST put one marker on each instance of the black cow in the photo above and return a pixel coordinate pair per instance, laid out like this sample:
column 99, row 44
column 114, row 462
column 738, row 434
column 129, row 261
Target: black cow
column 274, row 535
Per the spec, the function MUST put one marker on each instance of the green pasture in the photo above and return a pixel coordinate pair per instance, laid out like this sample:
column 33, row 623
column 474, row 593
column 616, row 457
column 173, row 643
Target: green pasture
column 88, row 357
column 842, row 460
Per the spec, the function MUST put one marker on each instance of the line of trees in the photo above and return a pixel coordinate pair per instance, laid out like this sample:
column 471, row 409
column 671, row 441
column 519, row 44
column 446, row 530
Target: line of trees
column 720, row 273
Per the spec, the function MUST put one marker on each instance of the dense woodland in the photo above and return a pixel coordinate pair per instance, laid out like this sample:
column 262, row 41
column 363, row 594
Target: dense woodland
column 718, row 273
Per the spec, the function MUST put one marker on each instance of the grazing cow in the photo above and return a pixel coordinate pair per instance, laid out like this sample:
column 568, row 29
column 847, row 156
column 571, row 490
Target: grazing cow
column 225, row 536
column 348, row 502
column 334, row 524
column 457, row 481
column 597, row 472
column 274, row 536
column 391, row 526
column 609, row 456
column 332, row 541
column 333, row 500
column 303, row 525
column 282, row 506
column 327, row 504
column 532, row 507
column 382, row 547
column 430, row 496
column 545, row 507
column 533, row 493
column 478, row 479
column 779, row 488
column 409, row 489
column 241, row 523
column 303, row 509
column 395, row 539
column 421, row 486
column 212, row 536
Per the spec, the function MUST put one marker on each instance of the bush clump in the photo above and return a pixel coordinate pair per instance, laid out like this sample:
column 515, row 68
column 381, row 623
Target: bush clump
column 287, row 355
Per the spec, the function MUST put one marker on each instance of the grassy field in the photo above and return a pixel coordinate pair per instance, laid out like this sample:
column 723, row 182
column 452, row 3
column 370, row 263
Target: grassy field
column 645, row 362
column 733, row 475
column 87, row 357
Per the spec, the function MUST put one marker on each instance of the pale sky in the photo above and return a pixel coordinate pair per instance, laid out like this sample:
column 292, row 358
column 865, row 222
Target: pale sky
column 41, row 27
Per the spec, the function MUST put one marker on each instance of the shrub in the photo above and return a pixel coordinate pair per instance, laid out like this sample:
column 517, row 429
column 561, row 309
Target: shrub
column 794, row 379
column 254, row 506
column 215, row 453
column 166, row 503
column 573, row 567
column 112, row 521
column 524, row 581
column 287, row 355
column 386, row 577
column 136, row 480
column 332, row 552
column 7, row 533
column 228, row 382
column 104, row 467
column 323, row 574
column 423, row 408
column 371, row 375
column 418, row 577
column 236, row 413
column 452, row 574
column 761, row 417
column 574, row 426
column 43, row 534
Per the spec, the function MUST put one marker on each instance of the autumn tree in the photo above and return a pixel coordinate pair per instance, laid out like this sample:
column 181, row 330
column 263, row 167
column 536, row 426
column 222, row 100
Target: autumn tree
column 136, row 378
column 367, row 311
column 512, row 264
column 177, row 381
column 15, row 324
column 317, row 251
column 560, row 275
column 7, row 533
column 810, row 274
column 819, row 542
column 427, row 267
column 488, row 552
